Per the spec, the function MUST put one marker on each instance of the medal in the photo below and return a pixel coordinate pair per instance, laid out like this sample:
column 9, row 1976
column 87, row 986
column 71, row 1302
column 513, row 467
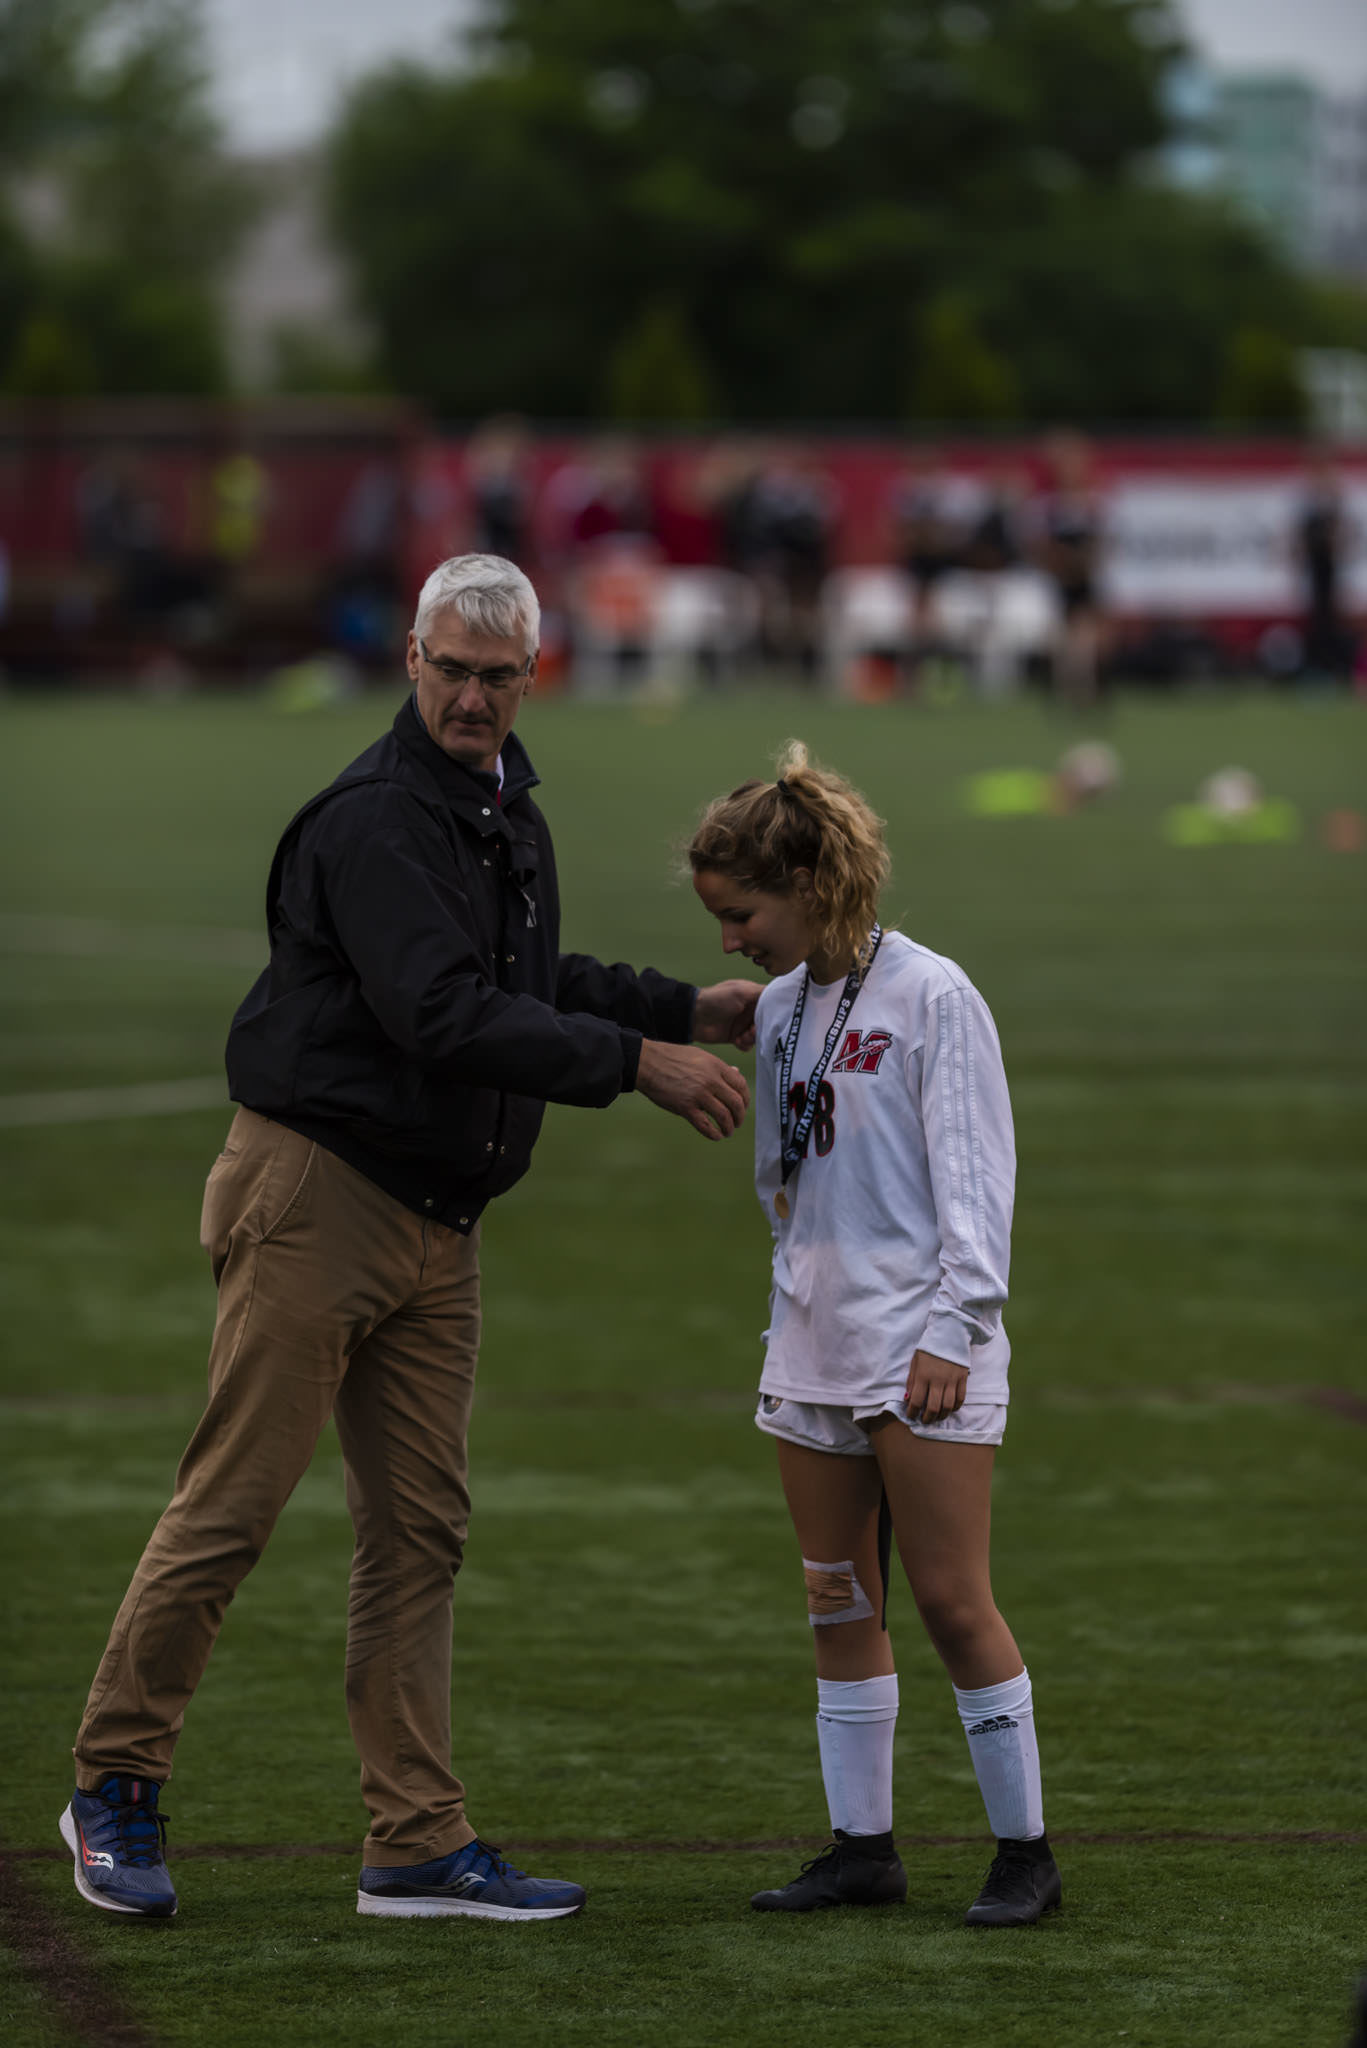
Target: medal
column 793, row 1145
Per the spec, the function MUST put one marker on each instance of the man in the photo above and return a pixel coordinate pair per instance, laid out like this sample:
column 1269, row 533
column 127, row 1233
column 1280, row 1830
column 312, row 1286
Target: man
column 392, row 1065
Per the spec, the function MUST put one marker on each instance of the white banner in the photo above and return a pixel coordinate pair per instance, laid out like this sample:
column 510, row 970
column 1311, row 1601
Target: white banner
column 1189, row 546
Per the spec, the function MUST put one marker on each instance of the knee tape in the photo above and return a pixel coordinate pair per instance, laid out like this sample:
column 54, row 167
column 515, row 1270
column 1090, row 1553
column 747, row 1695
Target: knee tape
column 834, row 1594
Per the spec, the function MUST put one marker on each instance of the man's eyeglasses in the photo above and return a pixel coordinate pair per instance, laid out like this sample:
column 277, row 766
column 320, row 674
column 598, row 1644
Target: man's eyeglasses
column 492, row 680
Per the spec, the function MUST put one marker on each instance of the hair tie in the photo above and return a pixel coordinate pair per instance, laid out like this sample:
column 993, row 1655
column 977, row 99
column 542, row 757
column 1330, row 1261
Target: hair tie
column 782, row 787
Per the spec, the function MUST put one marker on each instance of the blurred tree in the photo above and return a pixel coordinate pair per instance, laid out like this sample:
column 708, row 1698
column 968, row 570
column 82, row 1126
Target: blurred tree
column 955, row 374
column 655, row 372
column 50, row 360
column 1122, row 303
column 118, row 200
column 1261, row 385
column 796, row 179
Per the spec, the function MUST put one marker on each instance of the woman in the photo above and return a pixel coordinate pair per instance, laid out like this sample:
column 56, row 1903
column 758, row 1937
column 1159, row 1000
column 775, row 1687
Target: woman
column 885, row 1163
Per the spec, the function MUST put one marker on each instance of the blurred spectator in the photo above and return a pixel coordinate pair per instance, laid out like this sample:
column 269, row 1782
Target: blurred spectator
column 147, row 590
column 928, row 536
column 362, row 591
column 233, row 505
column 1320, row 537
column 1070, row 543
column 239, row 494
column 599, row 493
column 736, row 469
column 107, row 509
column 497, row 471
column 613, row 593
column 688, row 511
column 598, row 526
column 794, row 509
column 368, row 526
column 997, row 536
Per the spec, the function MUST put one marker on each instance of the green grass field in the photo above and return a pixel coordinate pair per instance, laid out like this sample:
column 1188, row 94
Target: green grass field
column 1179, row 1528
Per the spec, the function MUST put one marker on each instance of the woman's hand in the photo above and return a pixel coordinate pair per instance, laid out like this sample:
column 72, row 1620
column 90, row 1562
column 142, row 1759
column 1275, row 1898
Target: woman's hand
column 935, row 1388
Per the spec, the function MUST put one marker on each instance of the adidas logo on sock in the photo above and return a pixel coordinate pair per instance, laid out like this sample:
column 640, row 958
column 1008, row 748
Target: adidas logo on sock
column 990, row 1726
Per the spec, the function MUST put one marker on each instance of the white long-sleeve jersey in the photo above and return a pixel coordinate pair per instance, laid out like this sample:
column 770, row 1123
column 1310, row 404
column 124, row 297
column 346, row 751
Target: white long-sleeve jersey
column 899, row 1232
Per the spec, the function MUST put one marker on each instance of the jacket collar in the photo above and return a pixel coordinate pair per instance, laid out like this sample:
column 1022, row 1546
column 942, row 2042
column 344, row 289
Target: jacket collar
column 464, row 787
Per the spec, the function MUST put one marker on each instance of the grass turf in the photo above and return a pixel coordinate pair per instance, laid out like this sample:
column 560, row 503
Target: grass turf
column 1178, row 1530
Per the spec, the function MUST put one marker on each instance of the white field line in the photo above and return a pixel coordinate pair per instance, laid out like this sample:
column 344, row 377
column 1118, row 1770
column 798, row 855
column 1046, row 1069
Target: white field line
column 93, row 1105
column 98, row 937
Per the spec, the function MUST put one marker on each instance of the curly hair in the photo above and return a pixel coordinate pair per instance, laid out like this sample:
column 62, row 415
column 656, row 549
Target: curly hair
column 763, row 832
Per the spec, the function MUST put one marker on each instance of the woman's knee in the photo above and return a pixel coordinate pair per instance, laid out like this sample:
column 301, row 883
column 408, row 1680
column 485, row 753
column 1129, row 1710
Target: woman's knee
column 955, row 1616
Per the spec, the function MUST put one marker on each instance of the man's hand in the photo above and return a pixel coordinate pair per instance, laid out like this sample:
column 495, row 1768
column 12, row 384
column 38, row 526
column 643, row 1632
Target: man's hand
column 935, row 1388
column 697, row 1086
column 725, row 1014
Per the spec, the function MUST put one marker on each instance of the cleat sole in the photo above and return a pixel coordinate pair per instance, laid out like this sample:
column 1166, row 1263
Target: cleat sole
column 997, row 1926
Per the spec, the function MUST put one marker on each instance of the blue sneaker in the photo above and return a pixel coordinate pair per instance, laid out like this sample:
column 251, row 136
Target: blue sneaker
column 475, row 1881
column 116, row 1837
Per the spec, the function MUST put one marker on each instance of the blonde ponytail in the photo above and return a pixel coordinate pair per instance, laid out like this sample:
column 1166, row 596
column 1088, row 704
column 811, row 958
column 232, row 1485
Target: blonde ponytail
column 764, row 832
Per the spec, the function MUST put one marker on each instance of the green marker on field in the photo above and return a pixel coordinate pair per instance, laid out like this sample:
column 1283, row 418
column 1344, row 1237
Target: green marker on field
column 1198, row 825
column 1010, row 793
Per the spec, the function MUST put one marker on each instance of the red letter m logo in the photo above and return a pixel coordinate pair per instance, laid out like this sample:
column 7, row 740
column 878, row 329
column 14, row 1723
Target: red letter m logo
column 861, row 1055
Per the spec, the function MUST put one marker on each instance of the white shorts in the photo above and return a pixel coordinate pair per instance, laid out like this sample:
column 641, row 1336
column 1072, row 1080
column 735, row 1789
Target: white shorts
column 820, row 1426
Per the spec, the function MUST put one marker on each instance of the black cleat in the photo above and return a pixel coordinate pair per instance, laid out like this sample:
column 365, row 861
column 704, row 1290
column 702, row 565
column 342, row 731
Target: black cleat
column 853, row 1870
column 1022, row 1884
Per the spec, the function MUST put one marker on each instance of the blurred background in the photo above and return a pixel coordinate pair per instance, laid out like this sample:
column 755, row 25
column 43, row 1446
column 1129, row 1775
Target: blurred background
column 1016, row 342
column 979, row 390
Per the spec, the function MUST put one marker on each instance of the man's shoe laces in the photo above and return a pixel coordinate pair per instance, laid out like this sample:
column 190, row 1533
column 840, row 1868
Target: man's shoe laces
column 142, row 1834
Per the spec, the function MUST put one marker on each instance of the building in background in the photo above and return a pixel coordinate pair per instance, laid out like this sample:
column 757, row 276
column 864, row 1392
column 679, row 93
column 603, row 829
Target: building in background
column 290, row 318
column 1292, row 156
column 1296, row 159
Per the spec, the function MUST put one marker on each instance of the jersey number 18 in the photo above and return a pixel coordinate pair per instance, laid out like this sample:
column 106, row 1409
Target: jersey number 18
column 823, row 1123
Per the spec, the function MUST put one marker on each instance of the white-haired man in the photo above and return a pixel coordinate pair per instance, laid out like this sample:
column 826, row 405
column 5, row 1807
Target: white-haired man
column 392, row 1065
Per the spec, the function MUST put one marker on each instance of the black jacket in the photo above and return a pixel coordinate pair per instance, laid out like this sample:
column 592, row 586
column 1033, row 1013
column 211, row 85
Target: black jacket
column 417, row 1013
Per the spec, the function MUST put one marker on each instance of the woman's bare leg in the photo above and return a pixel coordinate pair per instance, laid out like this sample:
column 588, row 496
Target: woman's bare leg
column 940, row 1495
column 834, row 1502
column 941, row 1500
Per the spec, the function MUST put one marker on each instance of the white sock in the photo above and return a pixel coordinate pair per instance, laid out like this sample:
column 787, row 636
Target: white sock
column 999, row 1721
column 855, row 1722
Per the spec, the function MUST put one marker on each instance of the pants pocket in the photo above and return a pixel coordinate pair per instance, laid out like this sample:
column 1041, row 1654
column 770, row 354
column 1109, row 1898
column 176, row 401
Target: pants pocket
column 285, row 1186
column 257, row 1183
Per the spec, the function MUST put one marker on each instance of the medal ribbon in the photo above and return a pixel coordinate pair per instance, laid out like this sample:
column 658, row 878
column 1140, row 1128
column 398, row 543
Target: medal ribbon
column 791, row 1148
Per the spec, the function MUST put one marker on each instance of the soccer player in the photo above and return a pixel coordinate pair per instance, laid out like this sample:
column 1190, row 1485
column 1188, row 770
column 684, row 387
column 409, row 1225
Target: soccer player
column 885, row 1164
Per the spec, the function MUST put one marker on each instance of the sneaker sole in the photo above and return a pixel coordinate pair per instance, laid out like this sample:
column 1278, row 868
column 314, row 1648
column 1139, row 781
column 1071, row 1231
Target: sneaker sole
column 451, row 1909
column 67, row 1828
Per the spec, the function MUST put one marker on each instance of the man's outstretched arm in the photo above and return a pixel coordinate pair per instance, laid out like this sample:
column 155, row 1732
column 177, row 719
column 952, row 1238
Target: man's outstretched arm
column 725, row 1014
column 706, row 1092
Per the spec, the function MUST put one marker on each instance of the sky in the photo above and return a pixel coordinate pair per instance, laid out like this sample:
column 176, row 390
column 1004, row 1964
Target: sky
column 280, row 64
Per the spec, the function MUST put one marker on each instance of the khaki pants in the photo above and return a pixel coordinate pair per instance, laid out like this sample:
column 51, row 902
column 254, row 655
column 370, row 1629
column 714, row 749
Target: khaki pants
column 333, row 1299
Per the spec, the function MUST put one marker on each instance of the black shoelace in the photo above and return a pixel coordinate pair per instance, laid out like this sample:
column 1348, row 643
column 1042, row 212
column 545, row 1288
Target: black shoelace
column 1012, row 1876
column 142, row 1834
